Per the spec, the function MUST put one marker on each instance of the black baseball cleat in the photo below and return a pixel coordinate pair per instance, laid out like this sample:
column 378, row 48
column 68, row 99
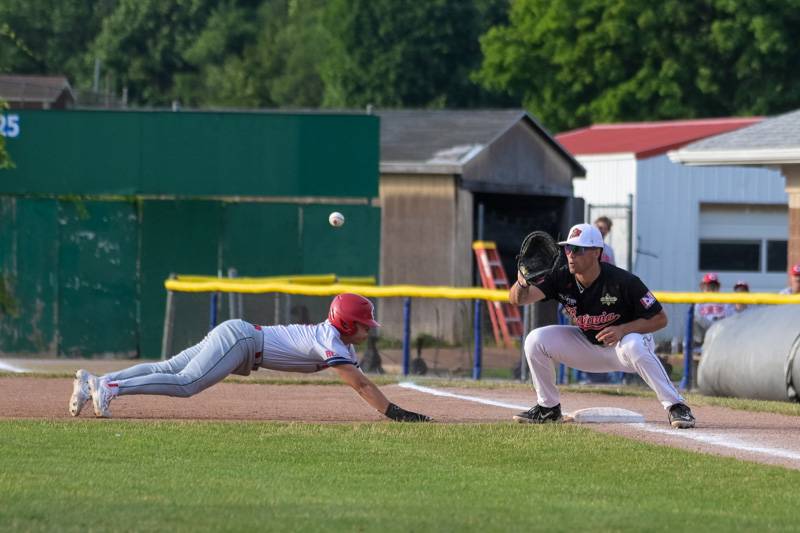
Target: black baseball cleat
column 680, row 416
column 539, row 415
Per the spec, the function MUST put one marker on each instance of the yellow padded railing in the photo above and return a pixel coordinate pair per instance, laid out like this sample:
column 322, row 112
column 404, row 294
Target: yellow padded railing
column 323, row 285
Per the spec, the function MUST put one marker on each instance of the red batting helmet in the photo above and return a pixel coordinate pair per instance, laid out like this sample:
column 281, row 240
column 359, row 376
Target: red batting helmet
column 348, row 309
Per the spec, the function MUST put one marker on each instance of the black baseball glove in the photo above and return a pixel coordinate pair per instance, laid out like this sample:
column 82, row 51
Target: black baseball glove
column 539, row 255
column 401, row 415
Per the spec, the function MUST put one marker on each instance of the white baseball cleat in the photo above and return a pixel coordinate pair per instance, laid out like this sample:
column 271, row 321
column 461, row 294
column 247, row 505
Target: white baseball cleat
column 80, row 392
column 102, row 394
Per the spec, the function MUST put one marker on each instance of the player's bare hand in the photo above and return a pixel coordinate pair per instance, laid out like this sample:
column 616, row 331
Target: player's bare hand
column 611, row 335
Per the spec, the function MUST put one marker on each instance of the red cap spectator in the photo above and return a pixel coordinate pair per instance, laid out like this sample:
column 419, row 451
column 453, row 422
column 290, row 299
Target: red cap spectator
column 795, row 270
column 711, row 278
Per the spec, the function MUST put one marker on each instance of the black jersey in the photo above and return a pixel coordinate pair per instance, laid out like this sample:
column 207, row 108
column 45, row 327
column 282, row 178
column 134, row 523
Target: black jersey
column 615, row 297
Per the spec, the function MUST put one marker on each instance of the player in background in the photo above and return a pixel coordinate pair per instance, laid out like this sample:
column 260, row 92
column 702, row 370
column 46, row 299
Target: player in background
column 238, row 347
column 741, row 286
column 708, row 313
column 604, row 225
column 614, row 313
column 794, row 280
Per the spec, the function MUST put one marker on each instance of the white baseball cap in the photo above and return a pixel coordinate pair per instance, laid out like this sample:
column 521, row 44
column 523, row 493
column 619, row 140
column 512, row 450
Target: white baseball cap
column 585, row 236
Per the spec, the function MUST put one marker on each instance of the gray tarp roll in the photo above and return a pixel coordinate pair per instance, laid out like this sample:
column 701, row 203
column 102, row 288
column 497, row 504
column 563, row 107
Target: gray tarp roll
column 753, row 354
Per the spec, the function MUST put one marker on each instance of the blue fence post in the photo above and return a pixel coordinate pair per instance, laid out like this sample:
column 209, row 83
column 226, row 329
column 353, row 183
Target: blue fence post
column 406, row 335
column 212, row 312
column 476, row 363
column 686, row 381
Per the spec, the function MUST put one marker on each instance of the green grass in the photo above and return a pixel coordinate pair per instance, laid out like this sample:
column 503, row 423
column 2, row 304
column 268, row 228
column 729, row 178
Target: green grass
column 183, row 476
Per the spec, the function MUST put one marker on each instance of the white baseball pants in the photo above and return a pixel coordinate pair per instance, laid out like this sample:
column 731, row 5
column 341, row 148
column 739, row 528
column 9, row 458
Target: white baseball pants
column 548, row 345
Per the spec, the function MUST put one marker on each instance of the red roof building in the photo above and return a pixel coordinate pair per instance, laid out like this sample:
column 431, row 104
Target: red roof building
column 646, row 139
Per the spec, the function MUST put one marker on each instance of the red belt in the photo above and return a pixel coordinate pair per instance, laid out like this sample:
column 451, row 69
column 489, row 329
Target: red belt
column 259, row 354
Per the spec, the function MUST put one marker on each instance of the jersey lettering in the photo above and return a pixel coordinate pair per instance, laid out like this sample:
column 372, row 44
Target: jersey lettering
column 614, row 298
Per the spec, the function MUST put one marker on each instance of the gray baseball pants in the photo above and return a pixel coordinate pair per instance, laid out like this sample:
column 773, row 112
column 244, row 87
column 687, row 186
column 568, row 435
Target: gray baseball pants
column 223, row 350
column 548, row 345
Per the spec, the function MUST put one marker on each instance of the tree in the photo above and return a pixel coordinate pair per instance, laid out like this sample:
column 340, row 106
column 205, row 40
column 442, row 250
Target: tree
column 238, row 53
column 576, row 62
column 273, row 59
column 50, row 37
column 143, row 45
column 5, row 160
column 395, row 53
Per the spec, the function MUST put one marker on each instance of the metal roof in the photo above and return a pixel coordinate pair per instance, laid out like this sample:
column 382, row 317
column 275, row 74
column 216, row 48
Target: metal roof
column 442, row 141
column 773, row 141
column 18, row 88
column 777, row 132
column 646, row 139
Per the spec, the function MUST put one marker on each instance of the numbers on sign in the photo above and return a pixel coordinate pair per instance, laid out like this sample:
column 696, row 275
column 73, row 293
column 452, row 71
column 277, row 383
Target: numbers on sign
column 9, row 125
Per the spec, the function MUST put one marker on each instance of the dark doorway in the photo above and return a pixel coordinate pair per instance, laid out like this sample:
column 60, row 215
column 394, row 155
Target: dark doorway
column 507, row 219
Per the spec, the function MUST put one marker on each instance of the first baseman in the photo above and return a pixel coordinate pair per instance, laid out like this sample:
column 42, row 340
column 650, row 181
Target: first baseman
column 614, row 313
column 238, row 347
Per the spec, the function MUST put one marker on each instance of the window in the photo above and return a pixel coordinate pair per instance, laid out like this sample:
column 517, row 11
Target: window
column 776, row 256
column 729, row 256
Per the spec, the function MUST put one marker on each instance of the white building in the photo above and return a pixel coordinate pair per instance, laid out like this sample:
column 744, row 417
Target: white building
column 673, row 223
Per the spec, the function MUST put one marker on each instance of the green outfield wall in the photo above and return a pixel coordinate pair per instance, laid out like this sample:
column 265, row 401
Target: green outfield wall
column 102, row 206
column 193, row 154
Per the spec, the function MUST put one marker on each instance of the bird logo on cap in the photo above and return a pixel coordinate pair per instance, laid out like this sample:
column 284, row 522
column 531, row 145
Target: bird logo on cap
column 574, row 233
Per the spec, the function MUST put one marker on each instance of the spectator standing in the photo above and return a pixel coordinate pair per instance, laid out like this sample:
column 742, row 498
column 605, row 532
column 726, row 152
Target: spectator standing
column 706, row 314
column 794, row 280
column 741, row 286
column 604, row 225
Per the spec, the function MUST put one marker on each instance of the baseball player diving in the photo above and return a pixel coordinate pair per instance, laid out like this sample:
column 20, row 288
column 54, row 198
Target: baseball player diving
column 238, row 347
column 614, row 313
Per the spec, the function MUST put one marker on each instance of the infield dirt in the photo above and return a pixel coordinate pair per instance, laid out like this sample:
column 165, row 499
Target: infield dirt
column 760, row 437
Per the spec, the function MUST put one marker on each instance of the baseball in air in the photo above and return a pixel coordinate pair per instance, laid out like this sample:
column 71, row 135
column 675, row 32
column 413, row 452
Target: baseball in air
column 336, row 219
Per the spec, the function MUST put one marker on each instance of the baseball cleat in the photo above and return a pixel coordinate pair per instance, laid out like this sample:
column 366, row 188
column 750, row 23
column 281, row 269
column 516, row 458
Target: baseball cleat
column 539, row 415
column 102, row 394
column 680, row 416
column 80, row 392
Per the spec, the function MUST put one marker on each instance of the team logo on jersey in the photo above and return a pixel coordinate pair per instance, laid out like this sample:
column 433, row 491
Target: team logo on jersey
column 329, row 354
column 574, row 233
column 648, row 300
column 608, row 299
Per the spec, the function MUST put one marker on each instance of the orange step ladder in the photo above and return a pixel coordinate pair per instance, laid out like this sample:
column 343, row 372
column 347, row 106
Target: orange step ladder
column 506, row 320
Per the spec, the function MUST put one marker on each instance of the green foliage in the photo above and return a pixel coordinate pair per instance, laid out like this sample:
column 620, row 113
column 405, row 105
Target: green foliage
column 575, row 62
column 190, row 476
column 5, row 159
column 404, row 53
column 50, row 36
column 143, row 44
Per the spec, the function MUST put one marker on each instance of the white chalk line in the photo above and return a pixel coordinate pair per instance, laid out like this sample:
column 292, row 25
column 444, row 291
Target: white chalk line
column 691, row 434
column 10, row 368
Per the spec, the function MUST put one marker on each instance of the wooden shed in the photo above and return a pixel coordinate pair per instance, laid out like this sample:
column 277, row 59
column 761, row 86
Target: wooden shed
column 451, row 177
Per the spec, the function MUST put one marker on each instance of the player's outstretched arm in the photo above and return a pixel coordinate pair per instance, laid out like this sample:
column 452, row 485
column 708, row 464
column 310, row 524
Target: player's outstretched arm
column 373, row 396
